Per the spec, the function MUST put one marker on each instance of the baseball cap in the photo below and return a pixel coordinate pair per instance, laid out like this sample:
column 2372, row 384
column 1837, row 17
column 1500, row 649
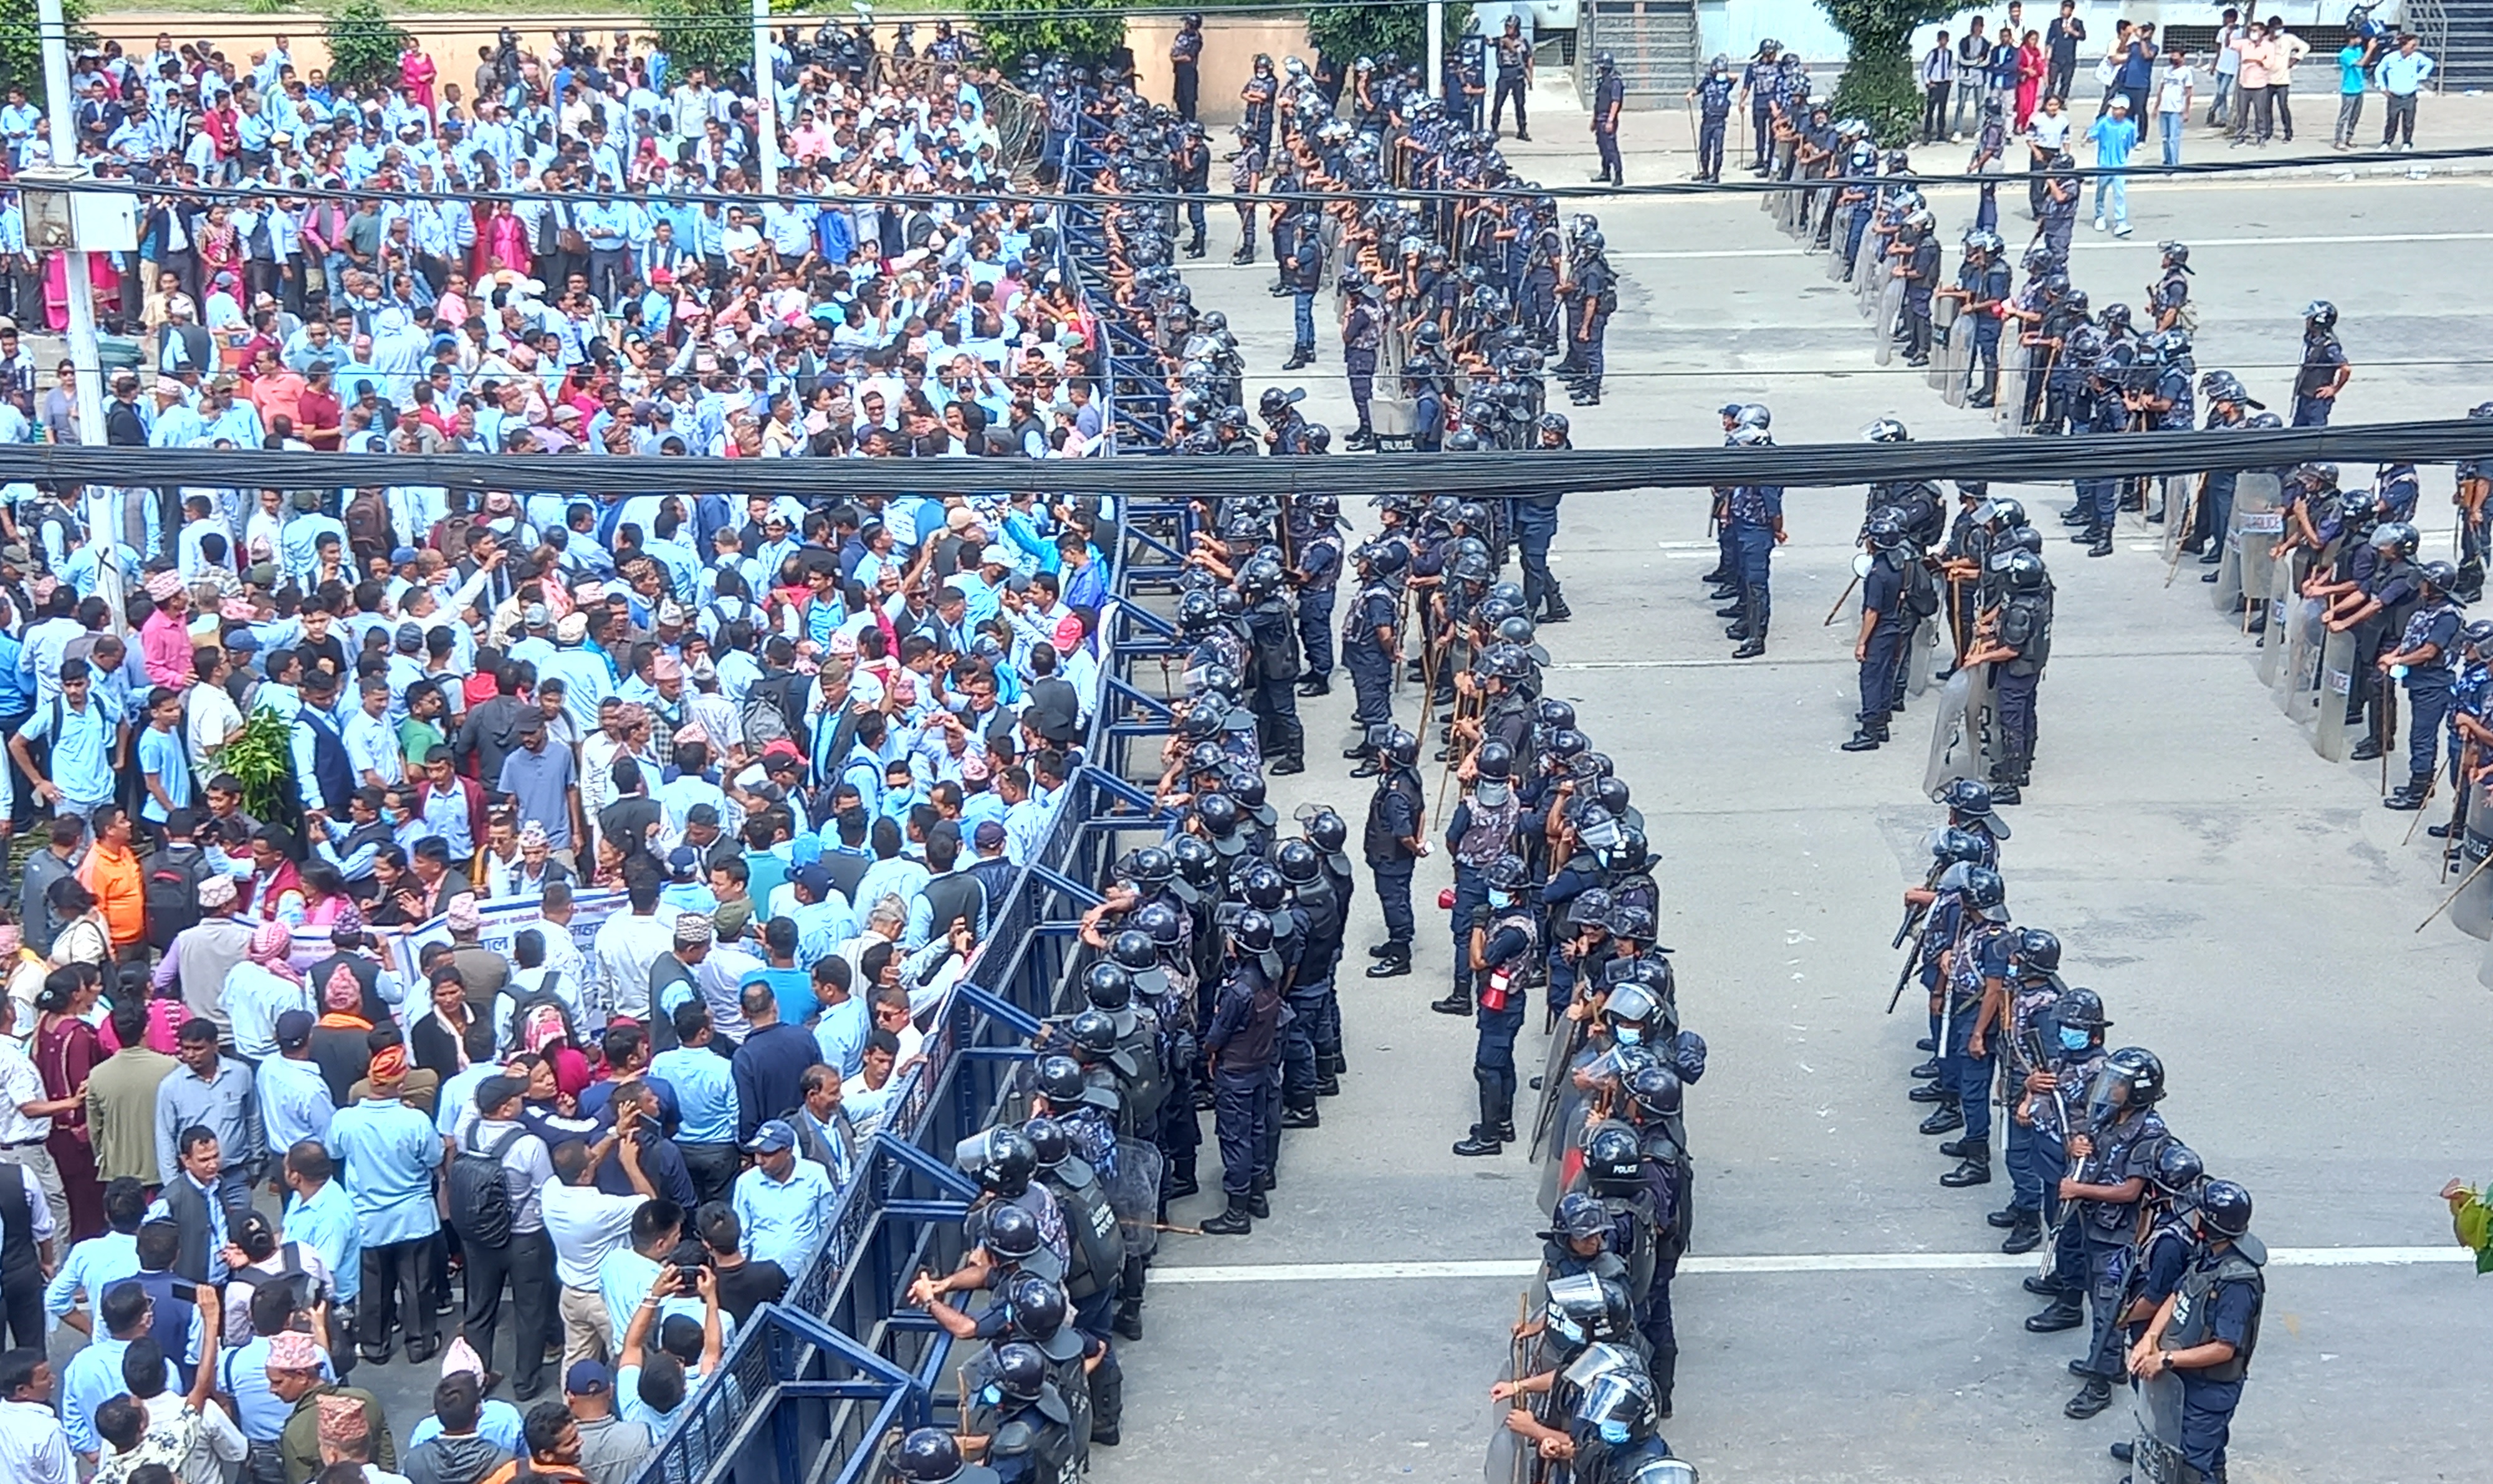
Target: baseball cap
column 588, row 1379
column 773, row 1137
column 988, row 836
column 294, row 1029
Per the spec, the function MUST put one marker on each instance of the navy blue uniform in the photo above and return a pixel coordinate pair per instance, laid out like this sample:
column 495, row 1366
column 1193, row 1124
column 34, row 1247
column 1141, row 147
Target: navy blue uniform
column 1245, row 1039
column 1753, row 512
column 1319, row 573
column 1714, row 117
column 2321, row 355
column 2428, row 683
column 1393, row 817
column 1882, row 593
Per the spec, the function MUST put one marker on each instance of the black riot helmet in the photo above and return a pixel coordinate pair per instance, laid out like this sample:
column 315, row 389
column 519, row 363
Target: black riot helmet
column 1656, row 1090
column 1298, row 862
column 1554, row 713
column 2319, row 316
column 1986, row 895
column 1584, row 1308
column 1252, row 932
column 1013, row 1232
column 1047, row 1137
column 1060, row 1080
column 929, row 1455
column 999, row 1159
column 2035, row 950
column 1400, row 747
column 1245, row 785
column 1152, row 866
column 1613, row 1160
column 2225, row 1208
column 2179, row 1169
column 1020, row 1370
column 1611, row 794
column 1195, row 860
column 1494, row 760
column 1219, row 813
column 1037, row 1306
column 1632, row 852
column 1956, row 846
column 1328, row 830
column 2131, row 1077
column 1161, row 924
column 1578, row 1217
column 1506, row 873
column 2080, row 1009
column 1093, row 1034
column 1618, row 1405
column 1109, row 985
column 2026, row 572
column 1261, row 887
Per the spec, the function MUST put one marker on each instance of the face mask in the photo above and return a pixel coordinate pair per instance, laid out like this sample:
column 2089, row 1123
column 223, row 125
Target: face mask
column 1615, row 1434
column 2072, row 1039
column 1630, row 1035
column 992, row 1395
column 1501, row 899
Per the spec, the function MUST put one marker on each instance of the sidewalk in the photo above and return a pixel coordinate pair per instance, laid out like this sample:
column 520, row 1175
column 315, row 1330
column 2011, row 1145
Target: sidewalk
column 1660, row 145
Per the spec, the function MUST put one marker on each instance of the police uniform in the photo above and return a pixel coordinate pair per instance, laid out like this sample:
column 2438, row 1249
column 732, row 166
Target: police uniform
column 1361, row 333
column 1759, row 80
column 1318, row 574
column 1394, row 815
column 1979, row 959
column 1258, row 96
column 1882, row 599
column 1714, row 113
column 1514, row 64
column 1245, row 1039
column 1595, row 295
column 1511, row 952
column 2434, row 622
column 1609, row 92
column 1190, row 162
column 1368, row 658
column 2025, row 626
column 1186, row 59
column 1308, row 1038
column 1921, row 278
column 1987, row 285
column 1276, row 672
column 2220, row 1298
column 1244, row 167
column 2124, row 1151
column 2322, row 357
column 1755, row 513
column 1476, row 836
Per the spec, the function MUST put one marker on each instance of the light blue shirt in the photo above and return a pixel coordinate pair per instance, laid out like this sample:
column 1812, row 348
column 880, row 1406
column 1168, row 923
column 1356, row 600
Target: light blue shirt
column 295, row 1102
column 784, row 1220
column 389, row 1152
column 326, row 1224
column 242, row 1374
column 82, row 754
column 91, row 1267
column 497, row 1422
column 457, row 1098
column 705, row 1084
column 91, row 1378
column 841, row 1035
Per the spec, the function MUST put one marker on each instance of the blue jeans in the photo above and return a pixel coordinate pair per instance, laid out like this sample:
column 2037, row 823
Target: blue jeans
column 1302, row 308
column 2113, row 191
column 2169, row 130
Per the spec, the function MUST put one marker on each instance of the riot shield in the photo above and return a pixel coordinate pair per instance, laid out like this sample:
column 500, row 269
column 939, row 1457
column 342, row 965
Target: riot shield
column 2285, row 618
column 1956, row 736
column 1891, row 307
column 1870, row 273
column 2181, row 507
column 2016, row 359
column 2331, row 736
column 2473, row 908
column 2258, row 518
column 1958, row 358
column 2297, row 658
column 1391, row 418
column 2155, row 1452
column 1921, row 646
column 1945, row 313
column 1837, row 236
column 1135, row 1195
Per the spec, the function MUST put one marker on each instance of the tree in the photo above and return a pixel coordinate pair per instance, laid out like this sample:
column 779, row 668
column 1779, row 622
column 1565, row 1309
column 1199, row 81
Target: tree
column 1878, row 83
column 1088, row 33
column 21, row 45
column 1348, row 32
column 716, row 35
column 363, row 45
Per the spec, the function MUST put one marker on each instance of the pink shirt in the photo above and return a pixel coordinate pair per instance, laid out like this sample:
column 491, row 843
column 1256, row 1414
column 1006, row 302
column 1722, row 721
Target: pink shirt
column 164, row 642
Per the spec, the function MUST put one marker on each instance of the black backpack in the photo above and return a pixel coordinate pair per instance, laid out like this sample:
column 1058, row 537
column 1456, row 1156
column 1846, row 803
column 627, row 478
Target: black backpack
column 171, row 897
column 480, row 1204
column 1921, row 590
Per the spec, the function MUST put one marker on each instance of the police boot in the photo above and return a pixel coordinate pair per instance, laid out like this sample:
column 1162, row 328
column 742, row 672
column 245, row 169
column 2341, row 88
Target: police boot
column 1107, row 1402
column 1755, row 643
column 1257, row 1207
column 1394, row 964
column 2365, row 751
column 2079, row 515
column 2003, row 787
column 1737, row 607
column 1719, row 576
column 1234, row 1221
column 1665, row 1370
column 1553, row 607
column 1975, row 1169
column 1482, row 1140
column 1300, row 1117
column 1245, row 255
column 1363, row 439
column 2412, row 796
column 1181, row 1179
column 2093, row 1398
column 2067, row 1311
column 1458, row 1003
column 1299, row 356
column 1958, row 1148
column 1865, row 739
column 2026, row 1235
column 1328, row 1085
column 1726, row 589
column 1129, row 1319
column 1315, row 685
column 1926, row 1071
column 1194, row 249
column 1931, row 1091
column 1946, row 1118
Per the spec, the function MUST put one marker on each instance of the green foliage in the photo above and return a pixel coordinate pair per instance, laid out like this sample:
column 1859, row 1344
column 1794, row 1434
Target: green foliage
column 269, row 7
column 1879, row 82
column 261, row 758
column 1352, row 31
column 1087, row 32
column 21, row 44
column 713, row 34
column 363, row 45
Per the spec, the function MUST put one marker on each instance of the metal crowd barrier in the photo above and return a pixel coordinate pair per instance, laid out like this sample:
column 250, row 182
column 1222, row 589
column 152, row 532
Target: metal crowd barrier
column 816, row 1384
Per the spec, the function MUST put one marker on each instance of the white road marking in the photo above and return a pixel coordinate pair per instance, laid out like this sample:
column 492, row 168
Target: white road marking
column 1796, row 1262
column 2135, row 244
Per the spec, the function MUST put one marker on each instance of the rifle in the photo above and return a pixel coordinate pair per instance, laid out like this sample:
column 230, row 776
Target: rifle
column 1905, row 974
column 1915, row 912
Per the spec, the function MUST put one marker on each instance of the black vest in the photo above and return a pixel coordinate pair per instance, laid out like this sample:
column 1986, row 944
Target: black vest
column 1380, row 841
column 956, row 893
column 19, row 1256
column 329, row 765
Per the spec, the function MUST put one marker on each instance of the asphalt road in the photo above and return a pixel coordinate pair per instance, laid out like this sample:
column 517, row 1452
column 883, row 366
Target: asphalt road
column 2245, row 908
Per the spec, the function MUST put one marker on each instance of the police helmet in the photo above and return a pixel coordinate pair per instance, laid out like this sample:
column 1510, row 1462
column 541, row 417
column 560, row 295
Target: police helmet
column 1578, row 1217
column 2440, row 576
column 2395, row 535
column 1400, row 747
column 1886, row 430
column 1883, row 533
column 2001, row 509
column 1584, row 1308
column 1195, row 860
column 1011, row 1232
column 999, row 1159
column 1109, row 984
column 1613, row 1159
column 2080, row 1007
column 1020, row 1370
column 2179, row 1169
column 1296, row 862
column 1656, row 1090
column 1554, row 713
column 2026, row 573
column 2318, row 314
column 2036, row 949
column 1751, row 438
column 1262, row 888
column 1957, row 845
column 1328, row 830
column 1553, row 422
column 1152, row 866
column 1986, row 893
column 1494, row 760
column 1058, row 1079
column 2225, row 1208
column 929, row 1455
column 2140, row 1071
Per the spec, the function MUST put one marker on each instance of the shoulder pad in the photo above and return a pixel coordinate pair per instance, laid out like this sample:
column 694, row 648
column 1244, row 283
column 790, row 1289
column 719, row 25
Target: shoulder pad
column 1014, row 1440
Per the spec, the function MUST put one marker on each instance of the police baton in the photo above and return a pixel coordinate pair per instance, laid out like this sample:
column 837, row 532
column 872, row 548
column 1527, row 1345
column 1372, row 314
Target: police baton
column 1839, row 602
column 2453, row 896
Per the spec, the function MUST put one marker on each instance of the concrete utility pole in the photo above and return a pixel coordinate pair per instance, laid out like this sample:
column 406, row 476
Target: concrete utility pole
column 766, row 92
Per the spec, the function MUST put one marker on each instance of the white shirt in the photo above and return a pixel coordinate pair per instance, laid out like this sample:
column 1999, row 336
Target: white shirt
column 2173, row 91
column 2051, row 130
column 33, row 1448
column 626, row 946
column 20, row 1084
column 585, row 1223
column 214, row 1439
column 213, row 718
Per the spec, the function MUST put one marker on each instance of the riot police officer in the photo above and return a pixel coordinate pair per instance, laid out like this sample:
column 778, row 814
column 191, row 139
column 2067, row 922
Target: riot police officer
column 1261, row 90
column 1186, row 61
column 1760, row 83
column 930, row 1455
column 1019, row 1420
column 1503, row 955
column 1917, row 246
column 2027, row 1024
column 2208, row 1330
column 2117, row 1153
column 1755, row 514
column 1591, row 296
column 1244, row 1041
column 2423, row 654
column 2053, row 1104
column 1713, row 94
column 1274, row 656
column 1984, row 284
column 1190, row 167
column 1363, row 331
column 1246, row 166
column 2017, row 650
column 1609, row 99
column 1393, row 841
column 1880, row 647
column 1315, row 572
column 1479, row 833
column 1973, row 987
column 2168, row 298
column 2324, row 372
column 1372, row 640
column 1514, row 52
column 1536, row 524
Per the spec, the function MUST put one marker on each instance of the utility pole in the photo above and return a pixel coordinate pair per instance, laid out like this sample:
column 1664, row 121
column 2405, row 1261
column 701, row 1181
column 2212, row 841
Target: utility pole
column 100, row 505
column 1437, row 50
column 766, row 92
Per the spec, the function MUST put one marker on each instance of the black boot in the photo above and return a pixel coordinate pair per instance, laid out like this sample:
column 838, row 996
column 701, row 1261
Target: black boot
column 1956, row 1148
column 2003, row 788
column 1234, row 1221
column 1724, row 590
column 1755, row 643
column 1458, row 1003
column 1129, row 1319
column 2067, row 1311
column 1257, row 1207
column 2093, row 1399
column 2026, row 1235
column 1300, row 1117
column 1737, row 607
column 2365, row 751
column 1926, row 1072
column 2102, row 546
column 1975, row 1169
column 1315, row 685
column 1663, row 1368
column 1393, row 965
column 1865, row 739
column 1327, row 1086
column 2410, row 797
column 1180, row 1180
column 1553, row 607
column 1947, row 1119
column 1932, row 1092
